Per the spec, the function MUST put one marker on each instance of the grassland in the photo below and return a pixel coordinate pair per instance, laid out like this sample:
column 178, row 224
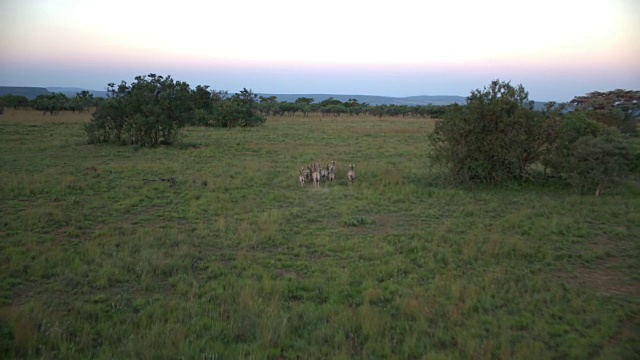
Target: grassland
column 236, row 260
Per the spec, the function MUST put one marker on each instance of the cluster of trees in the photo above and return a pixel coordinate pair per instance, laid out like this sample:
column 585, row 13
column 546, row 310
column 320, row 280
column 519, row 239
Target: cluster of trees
column 211, row 105
column 52, row 103
column 154, row 108
column 498, row 137
column 333, row 107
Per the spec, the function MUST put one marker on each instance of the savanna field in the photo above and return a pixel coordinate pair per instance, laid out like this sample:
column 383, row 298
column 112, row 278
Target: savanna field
column 237, row 260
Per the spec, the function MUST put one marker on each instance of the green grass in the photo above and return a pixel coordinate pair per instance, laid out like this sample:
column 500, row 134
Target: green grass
column 237, row 260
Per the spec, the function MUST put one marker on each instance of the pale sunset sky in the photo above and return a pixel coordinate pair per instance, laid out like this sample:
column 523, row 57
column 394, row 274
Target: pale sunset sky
column 557, row 49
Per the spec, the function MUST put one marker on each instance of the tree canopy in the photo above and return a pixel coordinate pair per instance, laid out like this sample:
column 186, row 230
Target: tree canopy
column 618, row 108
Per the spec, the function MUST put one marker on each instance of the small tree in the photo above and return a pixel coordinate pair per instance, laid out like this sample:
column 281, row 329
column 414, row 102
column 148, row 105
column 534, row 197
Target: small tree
column 241, row 110
column 289, row 108
column 495, row 138
column 84, row 99
column 268, row 104
column 51, row 103
column 304, row 100
column 330, row 101
column 14, row 101
column 208, row 106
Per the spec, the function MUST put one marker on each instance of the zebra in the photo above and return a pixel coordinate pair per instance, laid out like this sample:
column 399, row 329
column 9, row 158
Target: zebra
column 306, row 172
column 351, row 174
column 315, row 174
column 332, row 171
column 302, row 177
column 324, row 172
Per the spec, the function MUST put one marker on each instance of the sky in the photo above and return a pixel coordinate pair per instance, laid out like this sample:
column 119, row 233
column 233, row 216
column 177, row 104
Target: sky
column 557, row 49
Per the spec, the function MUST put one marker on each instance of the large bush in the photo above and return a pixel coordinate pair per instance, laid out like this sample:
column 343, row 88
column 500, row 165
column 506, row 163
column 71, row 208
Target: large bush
column 587, row 153
column 496, row 137
column 596, row 162
column 568, row 128
column 150, row 111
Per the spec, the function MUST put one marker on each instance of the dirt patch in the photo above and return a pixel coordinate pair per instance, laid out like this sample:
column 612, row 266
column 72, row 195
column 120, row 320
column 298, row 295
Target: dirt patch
column 288, row 274
column 605, row 281
column 376, row 223
column 624, row 344
column 610, row 269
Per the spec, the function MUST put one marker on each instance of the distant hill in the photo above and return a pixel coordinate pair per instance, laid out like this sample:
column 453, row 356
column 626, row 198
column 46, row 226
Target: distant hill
column 72, row 91
column 375, row 100
column 28, row 92
column 32, row 92
column 60, row 89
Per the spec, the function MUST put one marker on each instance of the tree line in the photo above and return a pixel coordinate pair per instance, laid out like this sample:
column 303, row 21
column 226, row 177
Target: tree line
column 52, row 103
column 211, row 105
column 270, row 106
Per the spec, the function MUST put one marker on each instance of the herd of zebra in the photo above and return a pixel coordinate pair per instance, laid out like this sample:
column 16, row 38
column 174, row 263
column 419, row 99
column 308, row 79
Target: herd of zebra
column 316, row 173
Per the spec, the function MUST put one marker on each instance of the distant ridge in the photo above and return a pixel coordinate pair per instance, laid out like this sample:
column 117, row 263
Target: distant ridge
column 375, row 100
column 63, row 89
column 26, row 91
column 72, row 91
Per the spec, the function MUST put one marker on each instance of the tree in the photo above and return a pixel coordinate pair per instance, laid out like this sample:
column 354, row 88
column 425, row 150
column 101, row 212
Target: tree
column 330, row 101
column 241, row 110
column 378, row 110
column 208, row 104
column 351, row 103
column 75, row 104
column 84, row 99
column 202, row 99
column 616, row 108
column 267, row 104
column 289, row 108
column 51, row 103
column 336, row 110
column 14, row 101
column 304, row 100
column 495, row 138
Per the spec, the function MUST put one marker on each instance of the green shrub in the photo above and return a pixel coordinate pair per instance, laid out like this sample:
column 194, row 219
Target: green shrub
column 241, row 110
column 596, row 162
column 568, row 128
column 588, row 154
column 150, row 111
column 495, row 138
column 213, row 108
